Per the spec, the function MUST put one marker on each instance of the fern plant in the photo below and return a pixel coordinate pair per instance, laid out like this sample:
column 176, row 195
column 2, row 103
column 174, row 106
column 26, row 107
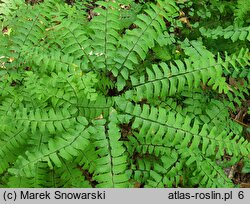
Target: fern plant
column 132, row 94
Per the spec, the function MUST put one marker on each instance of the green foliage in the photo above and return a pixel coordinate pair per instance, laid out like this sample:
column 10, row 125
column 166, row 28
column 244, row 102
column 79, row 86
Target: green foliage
column 122, row 93
column 246, row 168
column 234, row 33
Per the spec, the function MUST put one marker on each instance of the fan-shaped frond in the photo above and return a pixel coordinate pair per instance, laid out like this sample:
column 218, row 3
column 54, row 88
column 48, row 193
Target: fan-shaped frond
column 123, row 93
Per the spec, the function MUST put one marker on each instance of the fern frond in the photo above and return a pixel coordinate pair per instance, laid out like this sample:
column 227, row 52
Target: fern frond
column 111, row 166
column 154, row 126
column 99, row 107
column 123, row 93
column 39, row 179
column 205, row 172
column 43, row 121
column 173, row 171
column 231, row 32
column 195, row 48
column 237, row 63
column 166, row 173
column 238, row 94
column 75, row 42
column 166, row 80
column 12, row 142
column 71, row 176
column 141, row 169
column 54, row 61
column 87, row 157
column 7, row 7
column 105, row 27
column 136, row 43
column 66, row 147
column 242, row 9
